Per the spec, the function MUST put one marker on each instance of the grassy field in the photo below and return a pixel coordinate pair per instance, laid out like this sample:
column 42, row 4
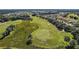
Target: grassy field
column 47, row 35
column 44, row 34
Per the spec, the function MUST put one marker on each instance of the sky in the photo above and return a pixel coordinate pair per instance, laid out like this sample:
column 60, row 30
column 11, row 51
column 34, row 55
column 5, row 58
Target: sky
column 39, row 4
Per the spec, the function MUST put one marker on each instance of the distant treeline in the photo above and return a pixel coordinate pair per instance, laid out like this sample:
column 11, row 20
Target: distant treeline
column 2, row 11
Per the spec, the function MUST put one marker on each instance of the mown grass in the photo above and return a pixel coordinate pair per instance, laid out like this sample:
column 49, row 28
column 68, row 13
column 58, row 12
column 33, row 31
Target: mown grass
column 18, row 37
column 3, row 26
column 44, row 34
column 48, row 36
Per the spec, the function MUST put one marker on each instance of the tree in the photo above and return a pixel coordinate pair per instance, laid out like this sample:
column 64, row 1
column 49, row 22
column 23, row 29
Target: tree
column 67, row 39
column 68, row 29
column 29, row 40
